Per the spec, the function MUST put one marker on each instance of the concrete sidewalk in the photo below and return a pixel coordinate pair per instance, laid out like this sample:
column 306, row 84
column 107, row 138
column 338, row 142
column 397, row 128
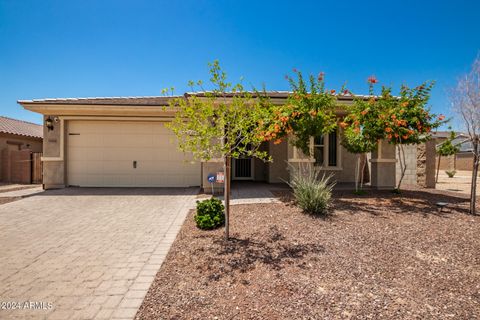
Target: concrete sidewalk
column 22, row 193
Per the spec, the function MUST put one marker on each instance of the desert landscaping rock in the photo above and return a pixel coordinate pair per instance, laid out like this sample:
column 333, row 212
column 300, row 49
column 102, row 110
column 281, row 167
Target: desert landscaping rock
column 379, row 256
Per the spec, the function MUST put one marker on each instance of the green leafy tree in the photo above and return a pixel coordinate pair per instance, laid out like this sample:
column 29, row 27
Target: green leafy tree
column 447, row 148
column 226, row 122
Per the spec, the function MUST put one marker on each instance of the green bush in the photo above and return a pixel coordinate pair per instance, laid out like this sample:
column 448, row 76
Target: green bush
column 209, row 214
column 450, row 173
column 312, row 192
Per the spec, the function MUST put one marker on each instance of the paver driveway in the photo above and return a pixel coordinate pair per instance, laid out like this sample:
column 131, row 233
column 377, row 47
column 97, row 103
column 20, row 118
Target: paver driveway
column 90, row 252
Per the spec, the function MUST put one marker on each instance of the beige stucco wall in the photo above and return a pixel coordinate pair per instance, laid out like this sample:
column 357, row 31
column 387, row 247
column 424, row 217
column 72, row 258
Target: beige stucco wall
column 460, row 161
column 211, row 167
column 383, row 166
column 260, row 170
column 274, row 172
column 346, row 163
column 464, row 161
column 53, row 164
column 446, row 162
column 430, row 152
column 278, row 168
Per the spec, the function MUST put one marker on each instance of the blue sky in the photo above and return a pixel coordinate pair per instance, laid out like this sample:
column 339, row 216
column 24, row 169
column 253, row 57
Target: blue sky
column 135, row 48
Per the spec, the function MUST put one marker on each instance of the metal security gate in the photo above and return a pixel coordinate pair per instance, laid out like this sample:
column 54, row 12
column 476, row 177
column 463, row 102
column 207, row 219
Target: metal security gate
column 242, row 169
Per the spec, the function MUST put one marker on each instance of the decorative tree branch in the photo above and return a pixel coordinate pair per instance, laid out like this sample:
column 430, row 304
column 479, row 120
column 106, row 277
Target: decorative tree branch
column 465, row 98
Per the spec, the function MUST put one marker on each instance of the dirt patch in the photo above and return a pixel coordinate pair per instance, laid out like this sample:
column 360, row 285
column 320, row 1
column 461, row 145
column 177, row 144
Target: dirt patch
column 378, row 256
column 460, row 183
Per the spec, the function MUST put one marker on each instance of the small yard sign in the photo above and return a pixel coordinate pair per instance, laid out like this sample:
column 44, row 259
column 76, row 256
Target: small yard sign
column 220, row 177
column 211, row 178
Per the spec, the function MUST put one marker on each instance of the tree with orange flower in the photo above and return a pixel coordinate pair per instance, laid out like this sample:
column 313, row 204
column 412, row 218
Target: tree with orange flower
column 400, row 120
column 309, row 111
column 357, row 139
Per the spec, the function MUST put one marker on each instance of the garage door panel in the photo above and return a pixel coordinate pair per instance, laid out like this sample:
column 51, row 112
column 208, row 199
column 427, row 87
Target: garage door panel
column 164, row 141
column 77, row 154
column 115, row 154
column 143, row 141
column 102, row 154
column 94, row 167
column 115, row 180
column 140, row 156
column 118, row 167
column 114, row 140
column 173, row 155
column 77, row 180
column 153, row 167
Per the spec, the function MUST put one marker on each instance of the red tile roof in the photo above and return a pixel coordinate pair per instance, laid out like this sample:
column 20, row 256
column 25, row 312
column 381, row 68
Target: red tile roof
column 20, row 127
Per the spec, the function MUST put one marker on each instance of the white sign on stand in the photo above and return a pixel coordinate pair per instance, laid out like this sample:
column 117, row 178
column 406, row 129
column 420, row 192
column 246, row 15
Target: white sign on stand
column 220, row 177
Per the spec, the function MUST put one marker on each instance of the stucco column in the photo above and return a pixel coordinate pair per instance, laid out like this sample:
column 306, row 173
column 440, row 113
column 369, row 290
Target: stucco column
column 430, row 161
column 53, row 154
column 383, row 166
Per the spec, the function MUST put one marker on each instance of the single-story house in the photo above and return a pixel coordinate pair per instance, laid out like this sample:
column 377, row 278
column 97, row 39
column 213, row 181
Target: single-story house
column 122, row 142
column 463, row 159
column 17, row 135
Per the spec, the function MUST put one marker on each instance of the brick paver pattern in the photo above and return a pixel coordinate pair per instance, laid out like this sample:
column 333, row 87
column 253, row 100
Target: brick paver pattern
column 90, row 252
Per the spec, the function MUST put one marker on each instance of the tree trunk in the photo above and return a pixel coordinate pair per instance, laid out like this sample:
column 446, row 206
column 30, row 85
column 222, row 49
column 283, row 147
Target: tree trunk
column 364, row 163
column 438, row 167
column 473, row 190
column 403, row 165
column 357, row 172
column 226, row 189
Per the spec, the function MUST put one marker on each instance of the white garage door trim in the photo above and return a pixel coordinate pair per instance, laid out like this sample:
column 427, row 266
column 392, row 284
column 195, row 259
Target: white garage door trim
column 126, row 154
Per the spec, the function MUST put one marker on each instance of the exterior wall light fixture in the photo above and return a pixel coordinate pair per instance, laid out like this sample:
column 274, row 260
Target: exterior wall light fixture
column 49, row 123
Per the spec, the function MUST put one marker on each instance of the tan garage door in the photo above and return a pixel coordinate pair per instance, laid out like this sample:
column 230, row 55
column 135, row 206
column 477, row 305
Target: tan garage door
column 126, row 154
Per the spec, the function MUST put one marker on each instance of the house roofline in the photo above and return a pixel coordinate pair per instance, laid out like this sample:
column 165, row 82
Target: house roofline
column 161, row 100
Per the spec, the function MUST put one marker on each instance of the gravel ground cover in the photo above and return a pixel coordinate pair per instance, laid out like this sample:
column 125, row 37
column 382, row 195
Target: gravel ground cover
column 377, row 256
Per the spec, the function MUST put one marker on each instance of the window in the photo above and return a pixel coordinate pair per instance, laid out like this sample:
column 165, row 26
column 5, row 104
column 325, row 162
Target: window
column 318, row 150
column 325, row 150
column 332, row 149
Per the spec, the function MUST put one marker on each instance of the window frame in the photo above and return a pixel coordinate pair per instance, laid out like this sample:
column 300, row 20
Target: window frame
column 324, row 146
column 326, row 142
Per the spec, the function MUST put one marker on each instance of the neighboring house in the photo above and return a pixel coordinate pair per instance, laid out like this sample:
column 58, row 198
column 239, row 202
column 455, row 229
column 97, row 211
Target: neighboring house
column 17, row 135
column 463, row 160
column 122, row 142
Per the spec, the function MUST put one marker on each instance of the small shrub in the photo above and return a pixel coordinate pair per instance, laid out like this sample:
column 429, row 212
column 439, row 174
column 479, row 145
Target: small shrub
column 312, row 192
column 209, row 214
column 450, row 173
